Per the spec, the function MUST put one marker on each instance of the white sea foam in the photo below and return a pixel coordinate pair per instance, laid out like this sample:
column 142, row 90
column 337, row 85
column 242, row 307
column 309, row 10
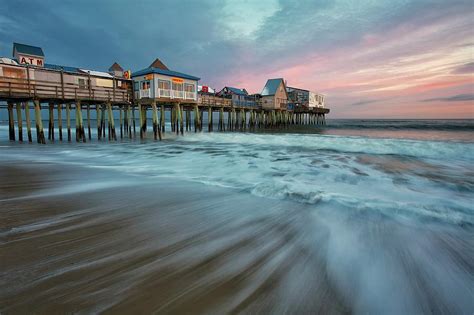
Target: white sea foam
column 394, row 177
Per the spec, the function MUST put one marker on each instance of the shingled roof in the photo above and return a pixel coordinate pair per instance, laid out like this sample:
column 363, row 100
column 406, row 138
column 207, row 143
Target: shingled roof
column 27, row 50
column 158, row 64
column 164, row 72
column 115, row 67
column 237, row 91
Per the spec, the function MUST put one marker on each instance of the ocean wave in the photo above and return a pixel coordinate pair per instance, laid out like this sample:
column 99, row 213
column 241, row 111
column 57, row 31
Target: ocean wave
column 388, row 176
column 385, row 124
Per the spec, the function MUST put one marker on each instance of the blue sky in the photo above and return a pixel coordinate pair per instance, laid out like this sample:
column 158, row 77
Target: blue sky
column 389, row 59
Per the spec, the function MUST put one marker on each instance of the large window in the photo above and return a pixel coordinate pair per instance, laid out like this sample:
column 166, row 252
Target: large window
column 164, row 84
column 188, row 87
column 177, row 86
column 146, row 85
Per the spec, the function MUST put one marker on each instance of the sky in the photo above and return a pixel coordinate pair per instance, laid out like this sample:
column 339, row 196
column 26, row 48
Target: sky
column 371, row 58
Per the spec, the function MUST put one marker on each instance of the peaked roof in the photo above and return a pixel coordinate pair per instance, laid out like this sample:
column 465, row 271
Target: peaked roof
column 115, row 67
column 237, row 91
column 164, row 72
column 27, row 49
column 158, row 64
column 271, row 86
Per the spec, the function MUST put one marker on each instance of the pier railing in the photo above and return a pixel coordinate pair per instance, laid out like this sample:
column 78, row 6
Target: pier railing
column 212, row 100
column 16, row 88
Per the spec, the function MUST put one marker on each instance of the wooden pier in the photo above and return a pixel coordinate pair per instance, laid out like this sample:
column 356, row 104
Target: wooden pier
column 123, row 104
column 118, row 115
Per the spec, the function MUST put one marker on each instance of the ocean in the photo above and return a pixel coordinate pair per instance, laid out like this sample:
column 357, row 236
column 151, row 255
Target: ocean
column 359, row 216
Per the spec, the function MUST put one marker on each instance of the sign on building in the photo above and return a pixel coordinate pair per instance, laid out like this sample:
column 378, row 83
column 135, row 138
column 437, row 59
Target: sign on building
column 34, row 61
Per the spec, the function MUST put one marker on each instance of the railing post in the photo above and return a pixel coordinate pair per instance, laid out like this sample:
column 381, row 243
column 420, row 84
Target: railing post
column 62, row 83
column 28, row 77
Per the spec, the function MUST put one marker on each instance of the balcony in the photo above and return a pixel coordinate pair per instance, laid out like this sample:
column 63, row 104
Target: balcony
column 178, row 94
column 164, row 93
column 190, row 95
column 145, row 93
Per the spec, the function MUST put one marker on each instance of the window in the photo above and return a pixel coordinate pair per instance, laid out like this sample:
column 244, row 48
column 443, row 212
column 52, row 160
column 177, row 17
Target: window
column 82, row 83
column 177, row 86
column 136, row 86
column 146, row 85
column 189, row 87
column 163, row 84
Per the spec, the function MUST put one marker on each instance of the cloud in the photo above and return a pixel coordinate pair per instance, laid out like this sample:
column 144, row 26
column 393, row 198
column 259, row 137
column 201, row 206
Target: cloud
column 466, row 68
column 362, row 50
column 366, row 102
column 454, row 98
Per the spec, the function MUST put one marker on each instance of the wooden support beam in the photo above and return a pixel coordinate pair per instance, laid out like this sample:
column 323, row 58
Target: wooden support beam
column 140, row 120
column 60, row 121
column 162, row 118
column 209, row 122
column 103, row 107
column 181, row 118
column 89, row 122
column 99, row 121
column 155, row 120
column 68, row 121
column 28, row 121
column 196, row 118
column 121, row 121
column 80, row 134
column 112, row 135
column 134, row 121
column 11, row 122
column 19, row 122
column 39, row 123
column 51, row 122
column 129, row 115
column 78, row 121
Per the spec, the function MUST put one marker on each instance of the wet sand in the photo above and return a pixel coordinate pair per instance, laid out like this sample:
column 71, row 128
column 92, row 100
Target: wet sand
column 83, row 240
column 69, row 243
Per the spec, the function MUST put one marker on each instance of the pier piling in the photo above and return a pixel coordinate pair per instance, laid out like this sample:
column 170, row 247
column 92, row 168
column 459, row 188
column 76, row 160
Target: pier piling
column 28, row 121
column 89, row 122
column 19, row 122
column 68, row 121
column 39, row 123
column 11, row 122
column 51, row 122
column 60, row 121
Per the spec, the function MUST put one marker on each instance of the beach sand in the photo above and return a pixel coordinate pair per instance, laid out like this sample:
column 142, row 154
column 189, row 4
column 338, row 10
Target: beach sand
column 84, row 240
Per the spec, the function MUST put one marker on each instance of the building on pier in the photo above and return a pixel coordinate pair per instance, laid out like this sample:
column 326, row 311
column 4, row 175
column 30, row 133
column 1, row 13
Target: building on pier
column 28, row 55
column 205, row 89
column 30, row 77
column 159, row 83
column 301, row 98
column 239, row 97
column 274, row 95
column 116, row 70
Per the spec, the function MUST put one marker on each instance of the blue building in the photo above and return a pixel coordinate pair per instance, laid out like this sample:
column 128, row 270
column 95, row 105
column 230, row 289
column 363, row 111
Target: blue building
column 159, row 83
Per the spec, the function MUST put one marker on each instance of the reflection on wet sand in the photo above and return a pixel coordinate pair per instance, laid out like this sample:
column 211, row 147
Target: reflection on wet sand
column 90, row 241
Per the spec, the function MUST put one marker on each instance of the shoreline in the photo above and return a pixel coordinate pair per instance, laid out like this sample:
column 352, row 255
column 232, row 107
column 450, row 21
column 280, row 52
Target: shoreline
column 154, row 245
